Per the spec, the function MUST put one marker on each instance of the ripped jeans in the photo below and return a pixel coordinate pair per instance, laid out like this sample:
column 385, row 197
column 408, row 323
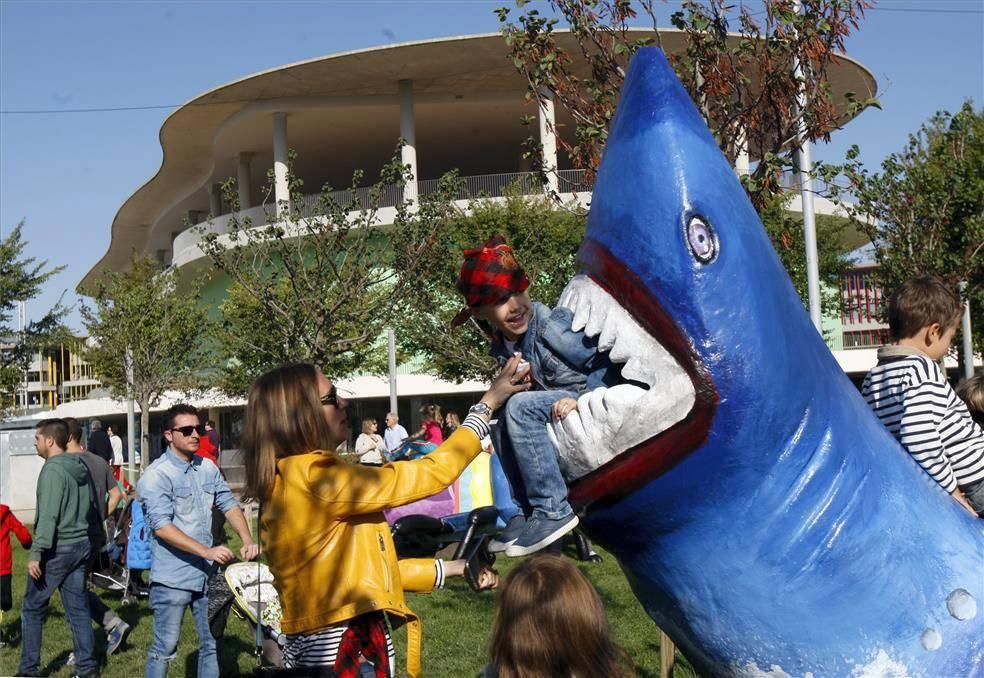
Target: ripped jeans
column 169, row 606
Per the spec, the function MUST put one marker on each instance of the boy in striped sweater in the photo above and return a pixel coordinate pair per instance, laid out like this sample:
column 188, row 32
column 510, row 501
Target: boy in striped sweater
column 909, row 391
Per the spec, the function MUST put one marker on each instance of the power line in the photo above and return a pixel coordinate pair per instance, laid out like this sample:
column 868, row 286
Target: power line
column 114, row 109
column 925, row 11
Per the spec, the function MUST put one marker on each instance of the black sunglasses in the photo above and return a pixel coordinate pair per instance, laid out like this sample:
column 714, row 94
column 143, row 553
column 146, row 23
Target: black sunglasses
column 330, row 398
column 188, row 430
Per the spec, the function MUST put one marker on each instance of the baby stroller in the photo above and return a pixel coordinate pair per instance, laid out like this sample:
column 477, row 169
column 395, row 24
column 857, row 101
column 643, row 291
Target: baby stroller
column 125, row 556
column 247, row 589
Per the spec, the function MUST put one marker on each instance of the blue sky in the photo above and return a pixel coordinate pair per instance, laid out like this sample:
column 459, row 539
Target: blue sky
column 68, row 174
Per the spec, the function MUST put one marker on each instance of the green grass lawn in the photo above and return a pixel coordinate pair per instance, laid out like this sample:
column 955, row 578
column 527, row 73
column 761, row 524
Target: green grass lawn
column 456, row 628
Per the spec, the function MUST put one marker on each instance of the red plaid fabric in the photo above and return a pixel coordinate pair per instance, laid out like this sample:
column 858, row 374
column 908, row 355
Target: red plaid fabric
column 489, row 276
column 365, row 637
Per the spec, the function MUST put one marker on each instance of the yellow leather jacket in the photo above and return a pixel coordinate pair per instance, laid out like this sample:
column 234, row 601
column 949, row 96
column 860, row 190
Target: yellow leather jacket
column 329, row 546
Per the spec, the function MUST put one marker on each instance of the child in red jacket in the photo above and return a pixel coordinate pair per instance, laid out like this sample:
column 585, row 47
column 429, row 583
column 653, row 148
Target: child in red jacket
column 8, row 524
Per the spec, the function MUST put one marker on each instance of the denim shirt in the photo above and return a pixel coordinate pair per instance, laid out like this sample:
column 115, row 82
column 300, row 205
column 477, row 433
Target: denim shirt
column 559, row 357
column 180, row 493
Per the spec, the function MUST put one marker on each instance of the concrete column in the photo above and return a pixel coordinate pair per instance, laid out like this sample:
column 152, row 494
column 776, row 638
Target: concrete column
column 215, row 200
column 742, row 163
column 805, row 162
column 243, row 181
column 967, row 338
column 281, row 189
column 391, row 336
column 408, row 154
column 548, row 140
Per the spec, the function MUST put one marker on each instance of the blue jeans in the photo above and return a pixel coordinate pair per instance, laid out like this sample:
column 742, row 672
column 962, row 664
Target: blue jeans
column 975, row 497
column 62, row 568
column 528, row 458
column 169, row 606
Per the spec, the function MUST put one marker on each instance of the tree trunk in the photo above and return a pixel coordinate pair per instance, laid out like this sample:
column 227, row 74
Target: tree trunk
column 144, row 432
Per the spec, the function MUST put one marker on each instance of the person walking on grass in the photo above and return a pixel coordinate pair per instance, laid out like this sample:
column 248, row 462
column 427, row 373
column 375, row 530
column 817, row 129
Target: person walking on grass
column 9, row 524
column 107, row 497
column 60, row 551
column 177, row 493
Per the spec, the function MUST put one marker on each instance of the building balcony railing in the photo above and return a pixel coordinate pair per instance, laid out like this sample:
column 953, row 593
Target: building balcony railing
column 863, row 302
column 471, row 187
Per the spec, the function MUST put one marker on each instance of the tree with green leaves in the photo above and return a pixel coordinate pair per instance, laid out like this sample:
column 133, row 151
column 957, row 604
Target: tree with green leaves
column 924, row 211
column 545, row 238
column 737, row 65
column 21, row 279
column 140, row 316
column 321, row 280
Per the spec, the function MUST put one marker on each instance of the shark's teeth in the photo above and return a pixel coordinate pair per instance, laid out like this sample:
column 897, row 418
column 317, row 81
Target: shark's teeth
column 609, row 421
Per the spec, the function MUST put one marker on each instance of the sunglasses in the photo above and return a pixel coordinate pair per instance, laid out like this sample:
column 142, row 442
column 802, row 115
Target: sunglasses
column 330, row 398
column 188, row 430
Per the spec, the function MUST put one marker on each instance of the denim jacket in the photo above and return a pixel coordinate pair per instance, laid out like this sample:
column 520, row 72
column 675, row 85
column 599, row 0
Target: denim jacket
column 180, row 493
column 559, row 357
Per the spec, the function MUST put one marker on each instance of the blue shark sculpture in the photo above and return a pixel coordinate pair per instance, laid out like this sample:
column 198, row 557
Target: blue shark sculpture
column 763, row 516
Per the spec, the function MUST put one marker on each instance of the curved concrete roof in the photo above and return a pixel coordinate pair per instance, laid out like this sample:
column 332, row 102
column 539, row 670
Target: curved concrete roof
column 456, row 68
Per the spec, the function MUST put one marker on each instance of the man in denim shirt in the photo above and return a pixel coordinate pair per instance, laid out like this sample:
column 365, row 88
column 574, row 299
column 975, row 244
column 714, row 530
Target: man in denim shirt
column 177, row 493
column 563, row 364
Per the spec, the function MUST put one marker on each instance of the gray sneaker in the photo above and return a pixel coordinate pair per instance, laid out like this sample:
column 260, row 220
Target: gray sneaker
column 540, row 533
column 511, row 533
column 116, row 637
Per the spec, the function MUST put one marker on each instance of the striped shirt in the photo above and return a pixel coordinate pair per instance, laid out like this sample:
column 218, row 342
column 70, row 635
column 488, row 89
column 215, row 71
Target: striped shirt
column 320, row 648
column 910, row 394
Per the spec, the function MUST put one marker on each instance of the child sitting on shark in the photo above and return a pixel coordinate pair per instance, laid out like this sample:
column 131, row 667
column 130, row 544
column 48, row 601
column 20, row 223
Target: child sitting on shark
column 563, row 364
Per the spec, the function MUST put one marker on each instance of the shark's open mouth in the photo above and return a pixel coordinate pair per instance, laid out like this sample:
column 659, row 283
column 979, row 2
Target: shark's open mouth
column 625, row 435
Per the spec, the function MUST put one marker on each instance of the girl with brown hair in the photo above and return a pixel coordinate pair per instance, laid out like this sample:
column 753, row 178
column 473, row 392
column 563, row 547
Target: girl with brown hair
column 550, row 623
column 321, row 522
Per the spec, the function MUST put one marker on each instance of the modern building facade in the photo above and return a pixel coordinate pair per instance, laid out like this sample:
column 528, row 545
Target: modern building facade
column 458, row 103
column 55, row 375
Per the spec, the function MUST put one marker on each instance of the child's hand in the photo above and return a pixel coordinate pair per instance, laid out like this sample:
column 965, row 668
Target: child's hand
column 962, row 500
column 563, row 407
column 524, row 369
column 488, row 578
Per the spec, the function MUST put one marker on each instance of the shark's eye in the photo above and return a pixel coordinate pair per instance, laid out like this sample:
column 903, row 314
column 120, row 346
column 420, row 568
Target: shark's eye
column 702, row 240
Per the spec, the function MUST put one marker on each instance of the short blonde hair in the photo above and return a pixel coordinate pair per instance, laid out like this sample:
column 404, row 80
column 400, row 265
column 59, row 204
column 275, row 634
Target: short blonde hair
column 367, row 425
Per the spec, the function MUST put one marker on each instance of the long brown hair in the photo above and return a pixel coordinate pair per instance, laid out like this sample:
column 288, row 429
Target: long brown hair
column 283, row 418
column 550, row 622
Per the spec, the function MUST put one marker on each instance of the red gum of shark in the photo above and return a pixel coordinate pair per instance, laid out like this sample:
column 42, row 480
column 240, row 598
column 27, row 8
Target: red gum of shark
column 638, row 465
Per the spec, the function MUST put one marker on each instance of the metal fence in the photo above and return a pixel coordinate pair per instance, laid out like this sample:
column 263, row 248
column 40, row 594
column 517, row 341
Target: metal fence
column 862, row 302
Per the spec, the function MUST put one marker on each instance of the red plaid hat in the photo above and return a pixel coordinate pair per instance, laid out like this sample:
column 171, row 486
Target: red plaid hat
column 489, row 275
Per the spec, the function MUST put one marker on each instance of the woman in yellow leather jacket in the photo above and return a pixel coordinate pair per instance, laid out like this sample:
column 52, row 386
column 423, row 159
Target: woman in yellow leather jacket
column 322, row 526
